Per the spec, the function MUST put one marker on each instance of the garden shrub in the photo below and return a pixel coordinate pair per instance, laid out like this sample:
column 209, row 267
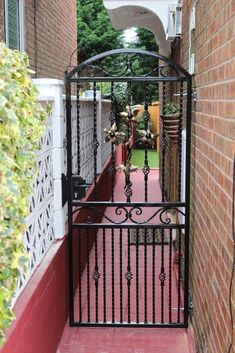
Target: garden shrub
column 21, row 125
column 171, row 108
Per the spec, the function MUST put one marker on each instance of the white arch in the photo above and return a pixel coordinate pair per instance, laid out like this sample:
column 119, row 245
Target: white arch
column 149, row 14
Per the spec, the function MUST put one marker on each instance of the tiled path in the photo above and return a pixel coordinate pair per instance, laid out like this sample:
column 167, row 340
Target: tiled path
column 128, row 340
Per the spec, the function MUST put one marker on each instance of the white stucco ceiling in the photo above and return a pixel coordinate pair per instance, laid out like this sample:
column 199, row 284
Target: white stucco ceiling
column 149, row 14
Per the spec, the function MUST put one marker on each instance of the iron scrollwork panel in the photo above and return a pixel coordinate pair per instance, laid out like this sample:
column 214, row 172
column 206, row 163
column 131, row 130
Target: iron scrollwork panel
column 105, row 236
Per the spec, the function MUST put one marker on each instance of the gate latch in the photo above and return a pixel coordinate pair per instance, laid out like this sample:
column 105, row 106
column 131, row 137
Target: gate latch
column 194, row 95
column 79, row 187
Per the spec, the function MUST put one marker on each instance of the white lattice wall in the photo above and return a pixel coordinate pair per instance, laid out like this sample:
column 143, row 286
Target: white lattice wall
column 41, row 229
column 86, row 138
column 47, row 218
column 86, row 135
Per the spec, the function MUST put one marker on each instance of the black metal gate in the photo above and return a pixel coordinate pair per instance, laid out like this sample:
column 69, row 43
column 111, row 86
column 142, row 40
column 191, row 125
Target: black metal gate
column 129, row 238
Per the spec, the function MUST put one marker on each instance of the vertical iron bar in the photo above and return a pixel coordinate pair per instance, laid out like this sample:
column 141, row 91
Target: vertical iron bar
column 179, row 279
column 70, row 214
column 113, row 288
column 120, row 259
column 96, row 279
column 88, row 272
column 187, row 197
column 153, row 274
column 163, row 142
column 112, row 171
column 145, row 278
column 128, row 188
column 162, row 276
column 80, row 274
column 128, row 183
column 146, row 169
column 180, row 140
column 129, row 275
column 146, row 174
column 170, row 277
column 137, row 275
column 179, row 195
column 112, row 121
column 78, row 129
column 95, row 142
column 104, row 273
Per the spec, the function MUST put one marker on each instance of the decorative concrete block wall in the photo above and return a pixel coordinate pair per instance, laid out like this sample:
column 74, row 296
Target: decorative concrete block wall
column 47, row 218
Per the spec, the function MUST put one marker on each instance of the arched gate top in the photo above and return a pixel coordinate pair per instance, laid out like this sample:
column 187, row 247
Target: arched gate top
column 130, row 209
column 127, row 58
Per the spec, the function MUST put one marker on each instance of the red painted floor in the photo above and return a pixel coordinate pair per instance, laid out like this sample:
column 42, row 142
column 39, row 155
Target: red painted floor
column 123, row 340
column 129, row 340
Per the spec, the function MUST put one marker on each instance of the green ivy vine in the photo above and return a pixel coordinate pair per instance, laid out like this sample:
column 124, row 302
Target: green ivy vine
column 22, row 122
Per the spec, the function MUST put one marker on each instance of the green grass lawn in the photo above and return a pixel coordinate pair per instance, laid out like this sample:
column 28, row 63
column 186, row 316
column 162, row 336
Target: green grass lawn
column 138, row 158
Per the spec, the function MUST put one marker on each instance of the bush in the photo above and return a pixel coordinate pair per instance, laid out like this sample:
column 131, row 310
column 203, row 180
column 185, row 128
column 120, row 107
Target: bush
column 21, row 125
column 171, row 108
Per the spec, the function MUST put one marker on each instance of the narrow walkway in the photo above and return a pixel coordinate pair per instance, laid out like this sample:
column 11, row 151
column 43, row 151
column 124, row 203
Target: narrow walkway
column 129, row 340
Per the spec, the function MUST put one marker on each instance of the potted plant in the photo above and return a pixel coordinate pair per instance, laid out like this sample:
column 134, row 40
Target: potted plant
column 170, row 118
column 171, row 109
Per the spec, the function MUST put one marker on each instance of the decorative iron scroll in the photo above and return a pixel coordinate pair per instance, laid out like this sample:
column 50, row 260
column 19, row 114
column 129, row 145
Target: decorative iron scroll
column 162, row 277
column 96, row 276
column 124, row 65
column 129, row 214
column 128, row 276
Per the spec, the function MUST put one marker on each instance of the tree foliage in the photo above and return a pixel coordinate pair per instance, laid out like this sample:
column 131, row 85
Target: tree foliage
column 145, row 40
column 21, row 125
column 96, row 35
column 95, row 32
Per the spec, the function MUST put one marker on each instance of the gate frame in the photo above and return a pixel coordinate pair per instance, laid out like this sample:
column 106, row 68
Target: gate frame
column 67, row 189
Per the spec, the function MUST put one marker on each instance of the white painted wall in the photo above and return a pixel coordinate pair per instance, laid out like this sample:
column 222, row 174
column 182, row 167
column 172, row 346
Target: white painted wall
column 47, row 218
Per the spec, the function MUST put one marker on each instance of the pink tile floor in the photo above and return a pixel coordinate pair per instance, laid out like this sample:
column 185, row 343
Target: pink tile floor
column 128, row 340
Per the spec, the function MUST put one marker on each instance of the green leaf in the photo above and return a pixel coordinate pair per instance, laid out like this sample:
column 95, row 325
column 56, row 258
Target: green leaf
column 22, row 121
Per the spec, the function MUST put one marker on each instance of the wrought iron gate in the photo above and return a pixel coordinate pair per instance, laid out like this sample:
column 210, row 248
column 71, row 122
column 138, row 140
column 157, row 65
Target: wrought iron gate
column 129, row 239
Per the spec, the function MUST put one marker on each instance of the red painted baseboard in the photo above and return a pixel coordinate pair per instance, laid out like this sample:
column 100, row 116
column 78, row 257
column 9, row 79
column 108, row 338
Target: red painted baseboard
column 42, row 308
column 190, row 331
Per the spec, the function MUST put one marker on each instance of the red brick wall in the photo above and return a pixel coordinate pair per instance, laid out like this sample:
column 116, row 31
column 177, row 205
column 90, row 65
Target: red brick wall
column 50, row 35
column 51, row 42
column 213, row 148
